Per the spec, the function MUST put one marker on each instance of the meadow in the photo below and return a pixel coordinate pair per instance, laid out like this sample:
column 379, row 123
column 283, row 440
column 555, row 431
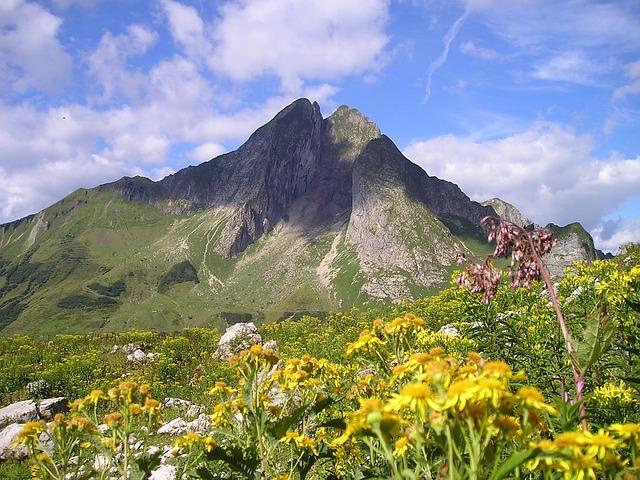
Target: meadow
column 446, row 387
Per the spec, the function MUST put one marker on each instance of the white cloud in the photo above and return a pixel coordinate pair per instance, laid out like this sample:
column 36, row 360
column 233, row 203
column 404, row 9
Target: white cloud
column 31, row 56
column 187, row 29
column 623, row 232
column 206, row 151
column 571, row 67
column 472, row 49
column 293, row 40
column 632, row 88
column 108, row 63
column 547, row 171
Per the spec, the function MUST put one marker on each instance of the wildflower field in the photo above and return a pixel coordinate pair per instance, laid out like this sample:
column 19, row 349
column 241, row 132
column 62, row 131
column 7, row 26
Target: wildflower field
column 446, row 387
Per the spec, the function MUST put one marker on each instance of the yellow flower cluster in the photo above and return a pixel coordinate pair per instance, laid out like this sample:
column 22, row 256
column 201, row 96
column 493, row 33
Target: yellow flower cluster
column 191, row 440
column 613, row 395
column 584, row 455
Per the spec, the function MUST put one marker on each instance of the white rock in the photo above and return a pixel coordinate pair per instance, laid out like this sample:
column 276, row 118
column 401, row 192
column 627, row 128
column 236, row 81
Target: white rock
column 236, row 338
column 129, row 348
column 177, row 426
column 137, row 356
column 28, row 410
column 48, row 407
column 200, row 425
column 195, row 410
column 272, row 345
column 449, row 330
column 8, row 437
column 171, row 402
column 164, row 472
column 18, row 412
column 101, row 463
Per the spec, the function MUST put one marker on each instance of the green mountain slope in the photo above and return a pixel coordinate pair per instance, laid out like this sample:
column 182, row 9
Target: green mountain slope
column 311, row 214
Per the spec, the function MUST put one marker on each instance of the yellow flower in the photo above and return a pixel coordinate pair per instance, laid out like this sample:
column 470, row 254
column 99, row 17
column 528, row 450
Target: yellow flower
column 151, row 406
column 135, row 409
column 626, row 430
column 31, row 431
column 532, row 398
column 600, row 443
column 209, row 444
column 145, row 389
column 94, row 397
column 613, row 395
column 113, row 419
column 401, row 447
column 416, row 396
column 497, row 369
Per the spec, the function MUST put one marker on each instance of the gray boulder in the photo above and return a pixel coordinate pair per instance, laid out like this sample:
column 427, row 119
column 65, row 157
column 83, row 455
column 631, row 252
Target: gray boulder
column 236, row 338
column 28, row 410
column 8, row 437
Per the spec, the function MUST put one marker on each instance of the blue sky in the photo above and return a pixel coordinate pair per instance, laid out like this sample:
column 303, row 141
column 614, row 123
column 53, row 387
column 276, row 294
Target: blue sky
column 534, row 101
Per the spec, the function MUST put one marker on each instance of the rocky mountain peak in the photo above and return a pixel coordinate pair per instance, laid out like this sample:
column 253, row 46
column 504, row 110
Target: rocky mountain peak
column 351, row 130
column 507, row 212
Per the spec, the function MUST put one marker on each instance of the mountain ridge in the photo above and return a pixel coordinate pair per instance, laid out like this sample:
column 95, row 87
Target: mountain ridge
column 309, row 214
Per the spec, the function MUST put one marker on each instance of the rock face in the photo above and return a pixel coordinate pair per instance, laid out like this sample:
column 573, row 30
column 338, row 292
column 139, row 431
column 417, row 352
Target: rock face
column 298, row 167
column 573, row 243
column 507, row 212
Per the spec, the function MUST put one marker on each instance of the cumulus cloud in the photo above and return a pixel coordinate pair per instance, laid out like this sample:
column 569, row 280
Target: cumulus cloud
column 612, row 235
column 316, row 40
column 547, row 171
column 108, row 63
column 31, row 57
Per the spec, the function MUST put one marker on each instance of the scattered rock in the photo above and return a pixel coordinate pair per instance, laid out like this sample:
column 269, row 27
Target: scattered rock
column 177, row 426
column 236, row 338
column 272, row 345
column 449, row 330
column 8, row 437
column 137, row 356
column 130, row 348
column 195, row 410
column 48, row 407
column 101, row 463
column 200, row 425
column 366, row 372
column 164, row 472
column 28, row 410
column 171, row 402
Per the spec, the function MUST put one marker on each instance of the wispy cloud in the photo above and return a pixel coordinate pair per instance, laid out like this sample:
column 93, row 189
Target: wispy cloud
column 472, row 49
column 438, row 62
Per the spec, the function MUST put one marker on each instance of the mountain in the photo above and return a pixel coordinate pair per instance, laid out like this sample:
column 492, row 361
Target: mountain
column 310, row 214
column 573, row 242
column 507, row 212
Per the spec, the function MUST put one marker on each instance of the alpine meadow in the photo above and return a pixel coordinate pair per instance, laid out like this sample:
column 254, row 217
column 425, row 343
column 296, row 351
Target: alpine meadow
column 319, row 240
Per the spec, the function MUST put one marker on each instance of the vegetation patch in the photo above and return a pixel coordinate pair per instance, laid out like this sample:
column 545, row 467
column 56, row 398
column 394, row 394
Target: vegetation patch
column 86, row 302
column 180, row 273
column 113, row 290
column 231, row 318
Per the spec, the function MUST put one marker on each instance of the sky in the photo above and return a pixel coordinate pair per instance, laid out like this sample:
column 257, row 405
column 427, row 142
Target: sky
column 533, row 101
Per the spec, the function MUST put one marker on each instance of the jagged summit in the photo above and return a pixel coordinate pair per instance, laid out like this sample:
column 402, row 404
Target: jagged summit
column 309, row 214
column 299, row 166
column 508, row 212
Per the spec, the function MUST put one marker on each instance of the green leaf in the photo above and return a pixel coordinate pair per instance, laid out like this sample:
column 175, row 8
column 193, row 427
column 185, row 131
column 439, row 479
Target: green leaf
column 596, row 340
column 514, row 461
